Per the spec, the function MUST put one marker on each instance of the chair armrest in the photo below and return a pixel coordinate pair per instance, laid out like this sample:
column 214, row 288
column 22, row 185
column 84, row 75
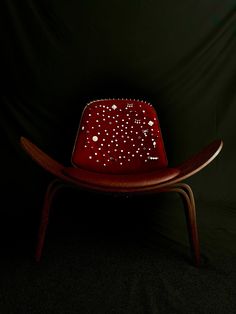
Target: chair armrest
column 41, row 158
column 200, row 160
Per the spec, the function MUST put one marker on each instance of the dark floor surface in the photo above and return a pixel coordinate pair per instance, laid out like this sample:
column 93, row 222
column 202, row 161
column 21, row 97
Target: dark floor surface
column 103, row 264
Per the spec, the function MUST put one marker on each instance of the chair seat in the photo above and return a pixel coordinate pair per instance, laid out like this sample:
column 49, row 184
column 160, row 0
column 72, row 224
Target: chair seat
column 120, row 181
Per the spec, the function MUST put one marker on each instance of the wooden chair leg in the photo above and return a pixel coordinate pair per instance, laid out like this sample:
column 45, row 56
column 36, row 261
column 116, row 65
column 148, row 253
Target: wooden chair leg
column 187, row 196
column 53, row 187
column 189, row 191
column 190, row 212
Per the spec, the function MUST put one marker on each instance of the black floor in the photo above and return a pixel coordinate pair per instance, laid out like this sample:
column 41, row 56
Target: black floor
column 102, row 263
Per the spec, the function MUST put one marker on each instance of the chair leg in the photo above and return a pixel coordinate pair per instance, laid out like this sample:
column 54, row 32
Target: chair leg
column 53, row 187
column 190, row 212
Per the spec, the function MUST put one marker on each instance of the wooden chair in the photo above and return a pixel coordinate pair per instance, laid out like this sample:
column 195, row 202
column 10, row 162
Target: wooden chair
column 119, row 148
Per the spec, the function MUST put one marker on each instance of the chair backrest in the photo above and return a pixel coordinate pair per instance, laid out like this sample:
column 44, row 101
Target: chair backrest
column 119, row 136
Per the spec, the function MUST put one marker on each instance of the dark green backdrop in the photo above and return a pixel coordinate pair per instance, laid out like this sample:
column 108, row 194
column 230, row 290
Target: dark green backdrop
column 180, row 56
column 58, row 55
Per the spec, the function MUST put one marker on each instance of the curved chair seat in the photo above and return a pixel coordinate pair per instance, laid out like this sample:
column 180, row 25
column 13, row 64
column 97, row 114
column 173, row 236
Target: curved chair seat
column 114, row 130
column 121, row 182
column 124, row 183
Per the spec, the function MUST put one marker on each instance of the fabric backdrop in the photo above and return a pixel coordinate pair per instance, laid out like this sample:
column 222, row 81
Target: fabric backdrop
column 178, row 55
column 57, row 55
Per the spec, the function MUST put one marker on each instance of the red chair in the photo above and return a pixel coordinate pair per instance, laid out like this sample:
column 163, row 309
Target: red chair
column 119, row 149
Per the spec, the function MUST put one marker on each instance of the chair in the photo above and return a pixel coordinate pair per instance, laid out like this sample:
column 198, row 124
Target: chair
column 119, row 149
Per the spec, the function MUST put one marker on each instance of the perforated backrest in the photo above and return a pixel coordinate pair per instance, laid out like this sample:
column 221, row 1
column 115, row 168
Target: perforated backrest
column 119, row 136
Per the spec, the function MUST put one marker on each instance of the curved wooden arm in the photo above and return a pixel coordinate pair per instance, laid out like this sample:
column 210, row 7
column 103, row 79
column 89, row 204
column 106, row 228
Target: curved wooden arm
column 45, row 161
column 96, row 181
column 200, row 160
